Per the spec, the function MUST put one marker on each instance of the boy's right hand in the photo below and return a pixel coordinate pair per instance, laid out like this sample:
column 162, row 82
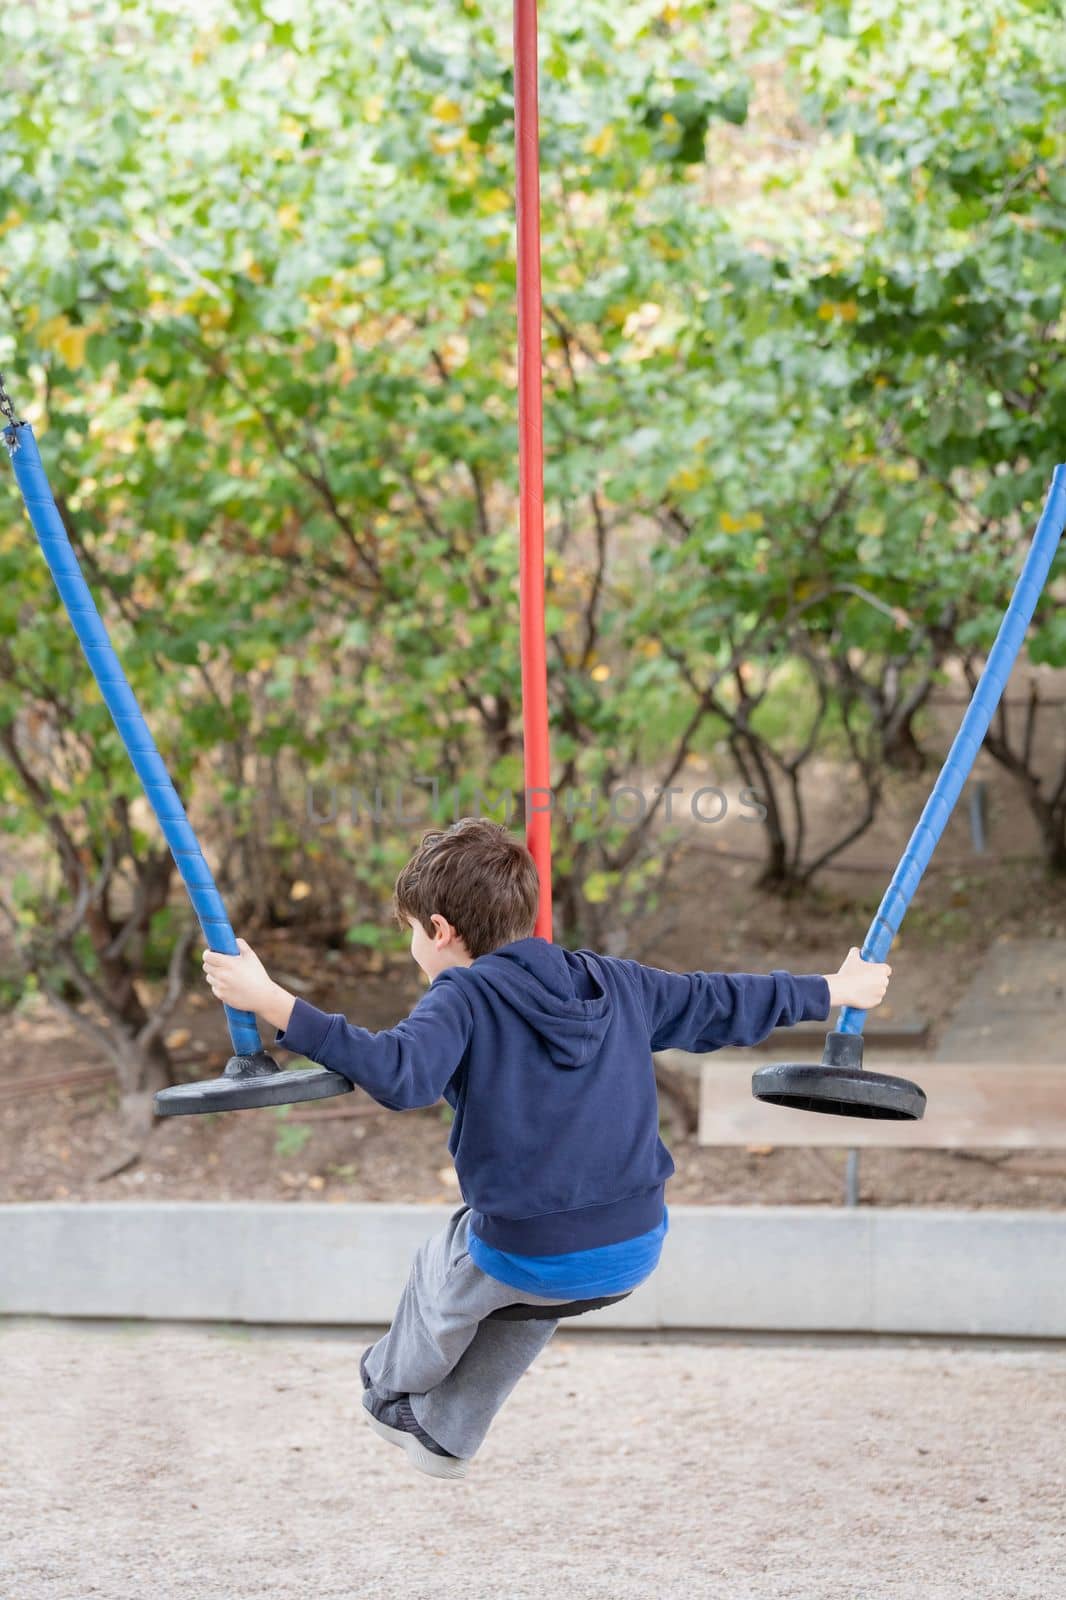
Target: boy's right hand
column 859, row 983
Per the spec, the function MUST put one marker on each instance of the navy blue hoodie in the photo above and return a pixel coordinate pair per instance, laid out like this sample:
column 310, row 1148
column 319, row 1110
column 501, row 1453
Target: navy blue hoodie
column 545, row 1055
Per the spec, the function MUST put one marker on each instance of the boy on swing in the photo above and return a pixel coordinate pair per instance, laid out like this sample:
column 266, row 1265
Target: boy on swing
column 545, row 1056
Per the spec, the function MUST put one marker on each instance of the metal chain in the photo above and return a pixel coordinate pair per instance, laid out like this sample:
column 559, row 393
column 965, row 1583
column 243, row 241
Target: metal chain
column 5, row 403
column 8, row 410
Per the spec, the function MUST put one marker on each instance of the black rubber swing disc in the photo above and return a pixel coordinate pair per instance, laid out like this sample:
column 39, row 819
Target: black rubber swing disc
column 249, row 1093
column 839, row 1091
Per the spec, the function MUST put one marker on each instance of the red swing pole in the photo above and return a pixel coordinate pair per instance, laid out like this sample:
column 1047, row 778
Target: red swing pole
column 531, row 459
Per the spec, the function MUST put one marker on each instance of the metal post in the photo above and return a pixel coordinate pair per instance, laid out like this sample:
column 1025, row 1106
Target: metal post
column 978, row 815
column 531, row 459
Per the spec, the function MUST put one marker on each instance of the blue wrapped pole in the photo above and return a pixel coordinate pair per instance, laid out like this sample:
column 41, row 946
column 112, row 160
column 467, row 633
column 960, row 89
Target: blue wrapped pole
column 122, row 704
column 968, row 740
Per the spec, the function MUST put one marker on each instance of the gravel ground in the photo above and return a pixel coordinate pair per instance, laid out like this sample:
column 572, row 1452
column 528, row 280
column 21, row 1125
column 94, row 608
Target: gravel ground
column 180, row 1462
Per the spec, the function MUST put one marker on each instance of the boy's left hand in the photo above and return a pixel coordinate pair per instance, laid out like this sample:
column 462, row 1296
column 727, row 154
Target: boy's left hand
column 859, row 983
column 240, row 981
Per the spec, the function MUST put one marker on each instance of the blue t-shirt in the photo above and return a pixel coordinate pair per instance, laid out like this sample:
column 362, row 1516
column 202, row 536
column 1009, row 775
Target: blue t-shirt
column 579, row 1274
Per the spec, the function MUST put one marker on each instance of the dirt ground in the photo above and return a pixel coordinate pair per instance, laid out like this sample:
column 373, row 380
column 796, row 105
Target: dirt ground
column 229, row 1463
column 52, row 1144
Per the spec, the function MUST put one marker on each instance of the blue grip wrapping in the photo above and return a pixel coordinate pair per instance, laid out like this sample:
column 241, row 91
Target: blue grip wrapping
column 122, row 704
column 967, row 742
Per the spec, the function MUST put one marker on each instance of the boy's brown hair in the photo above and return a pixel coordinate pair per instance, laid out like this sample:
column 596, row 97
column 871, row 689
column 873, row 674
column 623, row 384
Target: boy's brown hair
column 478, row 877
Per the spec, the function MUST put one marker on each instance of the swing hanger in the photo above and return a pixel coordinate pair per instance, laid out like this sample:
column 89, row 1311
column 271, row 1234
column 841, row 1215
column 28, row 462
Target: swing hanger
column 252, row 1077
column 8, row 409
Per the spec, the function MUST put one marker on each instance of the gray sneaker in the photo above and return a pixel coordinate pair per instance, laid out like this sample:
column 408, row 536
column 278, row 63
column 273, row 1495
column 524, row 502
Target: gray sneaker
column 395, row 1421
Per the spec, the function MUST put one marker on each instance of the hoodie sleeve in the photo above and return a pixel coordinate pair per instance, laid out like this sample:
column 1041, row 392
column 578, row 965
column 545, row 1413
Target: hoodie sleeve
column 702, row 1011
column 402, row 1067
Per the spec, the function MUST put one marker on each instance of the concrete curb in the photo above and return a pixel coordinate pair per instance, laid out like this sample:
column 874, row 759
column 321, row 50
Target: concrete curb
column 784, row 1269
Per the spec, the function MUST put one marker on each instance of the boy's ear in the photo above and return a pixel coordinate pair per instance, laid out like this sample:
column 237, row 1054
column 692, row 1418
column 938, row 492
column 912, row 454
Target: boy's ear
column 441, row 924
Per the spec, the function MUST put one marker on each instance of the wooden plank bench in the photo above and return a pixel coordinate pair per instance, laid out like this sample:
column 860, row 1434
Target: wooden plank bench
column 973, row 1105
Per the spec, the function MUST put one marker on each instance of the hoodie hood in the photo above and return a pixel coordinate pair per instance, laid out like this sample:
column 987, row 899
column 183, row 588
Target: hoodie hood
column 554, row 991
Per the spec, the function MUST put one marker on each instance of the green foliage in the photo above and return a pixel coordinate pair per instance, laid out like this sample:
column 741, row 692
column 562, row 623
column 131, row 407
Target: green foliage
column 290, row 1137
column 372, row 934
column 345, row 1171
column 803, row 342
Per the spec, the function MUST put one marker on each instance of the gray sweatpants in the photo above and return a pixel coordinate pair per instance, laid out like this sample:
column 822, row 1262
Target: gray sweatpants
column 457, row 1368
